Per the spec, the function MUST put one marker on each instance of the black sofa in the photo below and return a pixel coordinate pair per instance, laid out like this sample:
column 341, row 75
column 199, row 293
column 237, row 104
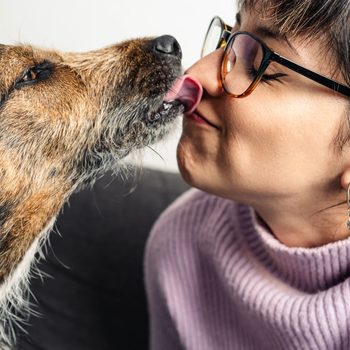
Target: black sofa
column 94, row 298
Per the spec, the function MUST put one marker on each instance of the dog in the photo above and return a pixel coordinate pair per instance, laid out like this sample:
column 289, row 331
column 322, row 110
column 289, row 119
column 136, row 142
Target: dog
column 65, row 119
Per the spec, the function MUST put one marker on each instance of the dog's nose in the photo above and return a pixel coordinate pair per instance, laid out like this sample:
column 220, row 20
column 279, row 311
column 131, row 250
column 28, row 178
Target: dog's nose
column 167, row 45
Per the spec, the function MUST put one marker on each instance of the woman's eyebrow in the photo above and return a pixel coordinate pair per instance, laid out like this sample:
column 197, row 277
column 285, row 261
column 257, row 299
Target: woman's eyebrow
column 263, row 31
column 268, row 32
column 273, row 33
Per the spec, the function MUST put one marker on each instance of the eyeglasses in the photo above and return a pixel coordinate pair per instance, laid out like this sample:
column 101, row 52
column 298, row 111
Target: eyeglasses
column 246, row 59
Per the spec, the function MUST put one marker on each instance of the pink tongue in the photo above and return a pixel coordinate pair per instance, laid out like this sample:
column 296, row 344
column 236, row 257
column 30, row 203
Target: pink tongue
column 188, row 91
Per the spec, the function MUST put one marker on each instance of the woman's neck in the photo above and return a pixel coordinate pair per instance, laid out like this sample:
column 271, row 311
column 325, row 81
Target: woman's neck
column 301, row 224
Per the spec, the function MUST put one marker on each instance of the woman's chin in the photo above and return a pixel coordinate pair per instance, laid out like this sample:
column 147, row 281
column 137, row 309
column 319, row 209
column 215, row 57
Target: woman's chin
column 196, row 172
column 186, row 165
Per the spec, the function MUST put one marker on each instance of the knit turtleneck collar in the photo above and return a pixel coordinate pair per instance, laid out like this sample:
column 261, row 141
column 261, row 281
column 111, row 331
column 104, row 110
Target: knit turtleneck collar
column 307, row 269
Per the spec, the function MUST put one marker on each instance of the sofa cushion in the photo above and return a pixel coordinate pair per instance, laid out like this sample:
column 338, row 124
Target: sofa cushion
column 95, row 296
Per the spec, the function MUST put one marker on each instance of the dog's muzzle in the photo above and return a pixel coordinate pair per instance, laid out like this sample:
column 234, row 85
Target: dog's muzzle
column 168, row 50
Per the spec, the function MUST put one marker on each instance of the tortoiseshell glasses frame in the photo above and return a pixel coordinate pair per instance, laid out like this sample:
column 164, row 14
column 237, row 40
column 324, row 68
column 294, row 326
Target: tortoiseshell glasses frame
column 250, row 45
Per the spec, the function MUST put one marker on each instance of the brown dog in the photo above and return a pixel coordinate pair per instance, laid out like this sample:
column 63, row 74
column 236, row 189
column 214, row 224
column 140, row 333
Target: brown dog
column 64, row 119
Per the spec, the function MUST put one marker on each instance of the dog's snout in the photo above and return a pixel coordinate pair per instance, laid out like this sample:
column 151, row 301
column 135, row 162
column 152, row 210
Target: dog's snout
column 167, row 45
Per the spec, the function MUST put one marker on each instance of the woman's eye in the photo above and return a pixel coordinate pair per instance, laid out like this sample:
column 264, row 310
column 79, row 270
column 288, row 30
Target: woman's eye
column 270, row 77
column 265, row 77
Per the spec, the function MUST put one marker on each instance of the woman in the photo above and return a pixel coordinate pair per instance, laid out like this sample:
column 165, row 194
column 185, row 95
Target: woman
column 259, row 257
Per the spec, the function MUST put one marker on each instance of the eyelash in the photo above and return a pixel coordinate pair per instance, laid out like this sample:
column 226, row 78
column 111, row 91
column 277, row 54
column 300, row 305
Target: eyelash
column 35, row 74
column 266, row 78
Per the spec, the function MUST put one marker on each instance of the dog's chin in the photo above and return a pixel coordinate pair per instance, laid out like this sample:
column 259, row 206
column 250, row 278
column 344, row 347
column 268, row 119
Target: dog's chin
column 166, row 113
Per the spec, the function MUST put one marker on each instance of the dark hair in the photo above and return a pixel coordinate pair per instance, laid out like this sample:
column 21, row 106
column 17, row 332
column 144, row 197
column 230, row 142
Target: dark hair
column 328, row 20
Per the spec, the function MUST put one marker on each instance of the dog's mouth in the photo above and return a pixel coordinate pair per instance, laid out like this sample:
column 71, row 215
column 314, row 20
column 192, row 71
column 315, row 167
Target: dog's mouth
column 183, row 97
column 167, row 112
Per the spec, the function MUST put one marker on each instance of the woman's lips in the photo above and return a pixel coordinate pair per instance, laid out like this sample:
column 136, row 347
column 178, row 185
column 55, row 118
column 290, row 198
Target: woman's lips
column 197, row 117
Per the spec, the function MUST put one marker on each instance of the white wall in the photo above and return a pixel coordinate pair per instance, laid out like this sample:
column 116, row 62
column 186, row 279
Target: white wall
column 78, row 25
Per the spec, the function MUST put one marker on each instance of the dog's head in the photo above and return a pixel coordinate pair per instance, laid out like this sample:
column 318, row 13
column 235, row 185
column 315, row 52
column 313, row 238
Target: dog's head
column 65, row 116
column 84, row 108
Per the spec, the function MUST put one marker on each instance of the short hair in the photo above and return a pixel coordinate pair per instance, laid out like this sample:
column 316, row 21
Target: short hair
column 328, row 20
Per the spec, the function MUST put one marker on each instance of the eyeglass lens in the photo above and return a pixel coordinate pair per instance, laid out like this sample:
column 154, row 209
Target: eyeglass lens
column 212, row 37
column 240, row 66
column 243, row 57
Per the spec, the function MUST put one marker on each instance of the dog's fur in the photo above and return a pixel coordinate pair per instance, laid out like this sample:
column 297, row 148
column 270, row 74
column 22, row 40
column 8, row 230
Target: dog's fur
column 65, row 118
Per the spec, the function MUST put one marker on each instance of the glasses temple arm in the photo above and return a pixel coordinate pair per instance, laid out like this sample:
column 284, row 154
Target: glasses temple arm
column 343, row 89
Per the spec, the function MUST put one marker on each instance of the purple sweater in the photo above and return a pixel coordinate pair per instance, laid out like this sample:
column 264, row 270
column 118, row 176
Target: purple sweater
column 216, row 279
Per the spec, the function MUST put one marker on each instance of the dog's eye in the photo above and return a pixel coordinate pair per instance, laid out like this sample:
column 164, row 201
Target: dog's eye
column 30, row 75
column 34, row 74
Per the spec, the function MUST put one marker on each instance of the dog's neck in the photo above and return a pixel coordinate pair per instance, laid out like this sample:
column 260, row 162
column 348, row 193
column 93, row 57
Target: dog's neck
column 22, row 222
column 14, row 290
column 27, row 214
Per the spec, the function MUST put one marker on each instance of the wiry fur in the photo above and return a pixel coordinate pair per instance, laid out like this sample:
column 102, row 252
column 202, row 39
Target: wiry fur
column 58, row 133
column 14, row 292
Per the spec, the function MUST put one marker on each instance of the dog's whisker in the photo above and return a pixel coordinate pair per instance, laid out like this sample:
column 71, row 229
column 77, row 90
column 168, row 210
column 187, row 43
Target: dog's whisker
column 157, row 153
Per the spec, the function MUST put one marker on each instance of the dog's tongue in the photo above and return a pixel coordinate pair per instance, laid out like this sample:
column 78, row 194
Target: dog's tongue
column 188, row 91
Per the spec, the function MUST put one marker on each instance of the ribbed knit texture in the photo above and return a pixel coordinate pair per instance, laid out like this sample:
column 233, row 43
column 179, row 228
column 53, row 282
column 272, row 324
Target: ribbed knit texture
column 216, row 279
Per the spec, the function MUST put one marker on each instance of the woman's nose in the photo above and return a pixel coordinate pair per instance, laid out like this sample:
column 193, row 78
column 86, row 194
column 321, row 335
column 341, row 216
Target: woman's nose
column 207, row 72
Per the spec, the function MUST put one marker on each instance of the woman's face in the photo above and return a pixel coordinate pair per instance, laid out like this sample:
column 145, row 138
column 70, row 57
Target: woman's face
column 279, row 141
